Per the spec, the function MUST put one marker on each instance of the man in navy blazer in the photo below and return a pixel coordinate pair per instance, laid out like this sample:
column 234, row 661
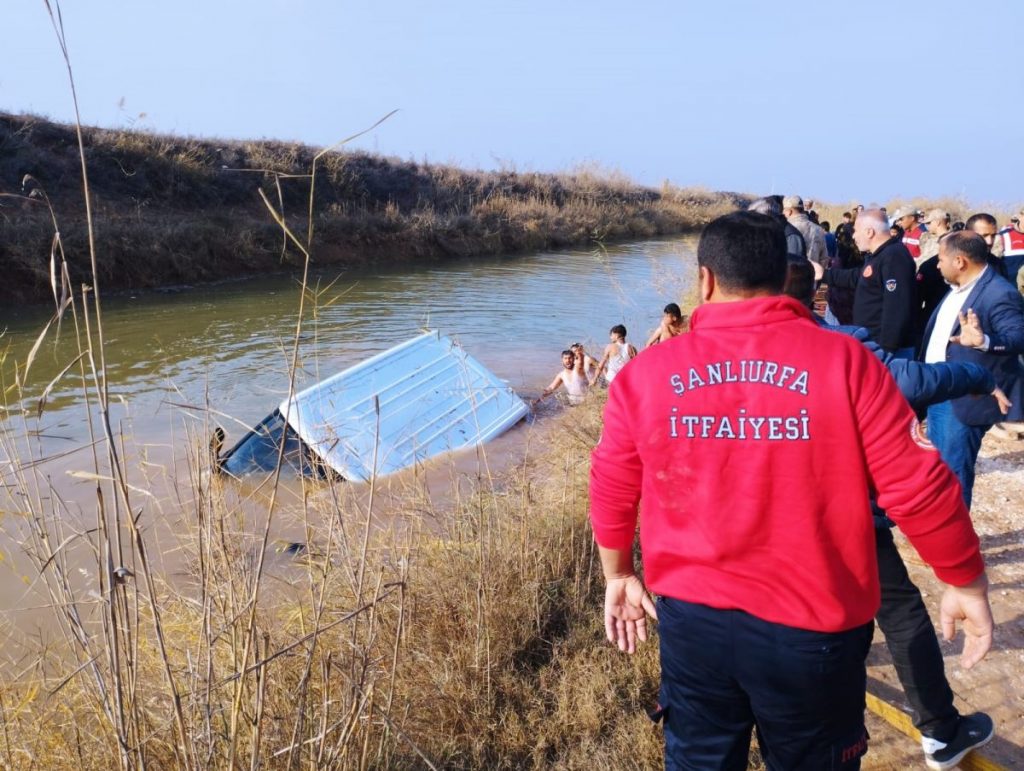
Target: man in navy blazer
column 980, row 319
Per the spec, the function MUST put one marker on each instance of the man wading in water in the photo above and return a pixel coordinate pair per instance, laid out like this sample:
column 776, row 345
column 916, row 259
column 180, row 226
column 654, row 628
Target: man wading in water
column 673, row 324
column 761, row 550
column 572, row 376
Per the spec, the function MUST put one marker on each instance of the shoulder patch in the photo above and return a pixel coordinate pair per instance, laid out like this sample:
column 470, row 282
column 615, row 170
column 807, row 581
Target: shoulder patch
column 891, row 285
column 867, row 272
column 919, row 436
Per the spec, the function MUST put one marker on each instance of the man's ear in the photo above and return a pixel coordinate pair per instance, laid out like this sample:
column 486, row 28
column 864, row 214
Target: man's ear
column 707, row 283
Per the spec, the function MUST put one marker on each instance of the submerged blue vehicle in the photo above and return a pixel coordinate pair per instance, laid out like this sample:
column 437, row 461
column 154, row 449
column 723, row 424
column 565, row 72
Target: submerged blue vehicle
column 413, row 402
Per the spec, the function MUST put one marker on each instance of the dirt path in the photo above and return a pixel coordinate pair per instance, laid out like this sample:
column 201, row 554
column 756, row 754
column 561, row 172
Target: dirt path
column 995, row 686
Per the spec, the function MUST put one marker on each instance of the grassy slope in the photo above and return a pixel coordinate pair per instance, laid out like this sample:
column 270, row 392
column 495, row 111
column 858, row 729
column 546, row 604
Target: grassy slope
column 174, row 210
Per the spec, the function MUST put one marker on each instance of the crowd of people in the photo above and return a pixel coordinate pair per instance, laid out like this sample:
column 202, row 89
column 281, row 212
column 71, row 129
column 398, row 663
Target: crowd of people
column 831, row 385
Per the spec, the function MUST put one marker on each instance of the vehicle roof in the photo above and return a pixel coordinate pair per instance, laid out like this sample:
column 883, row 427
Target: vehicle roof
column 433, row 397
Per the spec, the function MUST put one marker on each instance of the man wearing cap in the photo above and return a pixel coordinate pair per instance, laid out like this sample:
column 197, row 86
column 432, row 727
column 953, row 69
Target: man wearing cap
column 814, row 236
column 937, row 224
column 1012, row 239
column 931, row 286
column 885, row 292
column 907, row 218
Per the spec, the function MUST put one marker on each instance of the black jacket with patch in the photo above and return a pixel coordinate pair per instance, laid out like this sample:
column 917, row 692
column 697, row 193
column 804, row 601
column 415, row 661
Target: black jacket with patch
column 885, row 294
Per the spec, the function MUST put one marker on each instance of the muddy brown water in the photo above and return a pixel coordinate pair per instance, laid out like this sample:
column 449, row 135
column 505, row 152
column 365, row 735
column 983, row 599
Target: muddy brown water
column 180, row 362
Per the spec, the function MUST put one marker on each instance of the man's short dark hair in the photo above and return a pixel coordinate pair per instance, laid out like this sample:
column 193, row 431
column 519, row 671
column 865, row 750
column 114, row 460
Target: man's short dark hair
column 568, row 352
column 825, row 225
column 745, row 251
column 619, row 330
column 981, row 217
column 673, row 310
column 967, row 244
column 800, row 280
column 847, row 215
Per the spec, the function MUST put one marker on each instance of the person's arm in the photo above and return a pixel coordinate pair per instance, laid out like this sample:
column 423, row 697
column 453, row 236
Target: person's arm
column 632, row 351
column 604, row 363
column 626, row 601
column 843, row 278
column 616, row 474
column 555, row 384
column 655, row 338
column 926, row 384
column 818, row 252
column 1005, row 335
column 795, row 243
column 922, row 496
column 899, row 292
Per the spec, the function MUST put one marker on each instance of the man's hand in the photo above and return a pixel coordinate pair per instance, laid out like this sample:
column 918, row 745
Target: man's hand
column 970, row 605
column 1002, row 401
column 819, row 270
column 971, row 334
column 626, row 607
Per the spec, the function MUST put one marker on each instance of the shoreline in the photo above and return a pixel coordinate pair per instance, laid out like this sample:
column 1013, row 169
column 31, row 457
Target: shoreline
column 171, row 211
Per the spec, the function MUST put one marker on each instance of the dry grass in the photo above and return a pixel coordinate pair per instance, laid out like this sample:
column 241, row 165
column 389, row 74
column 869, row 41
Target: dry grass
column 172, row 210
column 474, row 640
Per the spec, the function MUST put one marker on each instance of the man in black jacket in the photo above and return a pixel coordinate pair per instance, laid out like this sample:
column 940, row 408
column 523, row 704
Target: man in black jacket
column 885, row 291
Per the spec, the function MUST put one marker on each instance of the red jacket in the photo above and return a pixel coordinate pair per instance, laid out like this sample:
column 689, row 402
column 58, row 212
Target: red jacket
column 753, row 441
column 912, row 240
column 1013, row 242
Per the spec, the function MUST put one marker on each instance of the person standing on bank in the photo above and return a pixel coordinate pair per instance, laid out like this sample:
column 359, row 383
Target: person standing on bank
column 885, row 290
column 706, row 430
column 907, row 218
column 813, row 235
column 937, row 221
column 981, row 319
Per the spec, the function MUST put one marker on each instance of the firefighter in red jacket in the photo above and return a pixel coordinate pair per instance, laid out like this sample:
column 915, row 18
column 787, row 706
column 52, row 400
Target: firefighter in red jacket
column 748, row 441
column 909, row 218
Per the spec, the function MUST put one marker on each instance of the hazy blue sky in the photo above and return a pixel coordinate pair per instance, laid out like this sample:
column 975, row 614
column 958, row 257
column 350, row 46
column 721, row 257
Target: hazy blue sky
column 861, row 100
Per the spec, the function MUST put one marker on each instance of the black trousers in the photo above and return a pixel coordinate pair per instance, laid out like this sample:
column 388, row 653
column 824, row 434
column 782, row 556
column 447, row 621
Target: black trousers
column 910, row 637
column 725, row 671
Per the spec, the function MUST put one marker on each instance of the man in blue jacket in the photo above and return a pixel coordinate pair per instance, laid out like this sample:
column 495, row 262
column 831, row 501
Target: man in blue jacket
column 980, row 320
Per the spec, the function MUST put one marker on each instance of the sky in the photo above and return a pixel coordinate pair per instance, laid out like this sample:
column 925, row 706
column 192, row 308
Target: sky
column 836, row 101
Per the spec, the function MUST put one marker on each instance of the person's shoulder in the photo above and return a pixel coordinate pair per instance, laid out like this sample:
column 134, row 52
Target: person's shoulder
column 997, row 288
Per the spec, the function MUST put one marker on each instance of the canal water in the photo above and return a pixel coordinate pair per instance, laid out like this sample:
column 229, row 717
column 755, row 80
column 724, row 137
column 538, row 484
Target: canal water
column 227, row 347
column 181, row 362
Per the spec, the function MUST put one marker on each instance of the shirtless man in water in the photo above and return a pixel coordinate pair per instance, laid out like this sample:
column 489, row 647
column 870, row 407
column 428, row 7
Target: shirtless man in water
column 672, row 323
column 572, row 377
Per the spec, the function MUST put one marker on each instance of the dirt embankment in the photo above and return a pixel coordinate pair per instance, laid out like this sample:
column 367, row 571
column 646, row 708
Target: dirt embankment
column 171, row 210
